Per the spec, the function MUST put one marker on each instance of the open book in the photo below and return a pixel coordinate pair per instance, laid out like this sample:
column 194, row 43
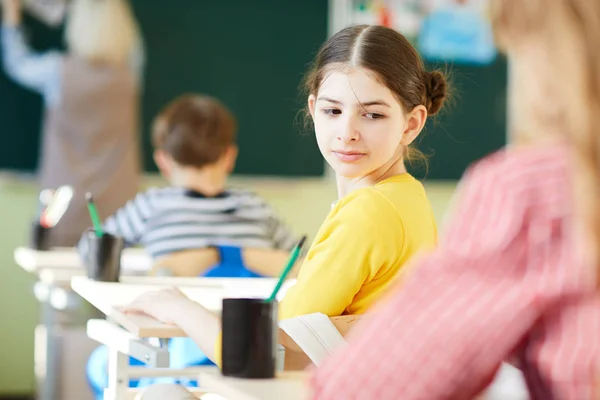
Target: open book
column 316, row 334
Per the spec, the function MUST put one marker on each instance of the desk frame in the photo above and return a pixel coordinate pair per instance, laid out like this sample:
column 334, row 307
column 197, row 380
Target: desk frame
column 54, row 270
column 123, row 343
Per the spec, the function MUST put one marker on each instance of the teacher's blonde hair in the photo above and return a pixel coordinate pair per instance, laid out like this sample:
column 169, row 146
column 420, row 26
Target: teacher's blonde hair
column 102, row 31
column 567, row 33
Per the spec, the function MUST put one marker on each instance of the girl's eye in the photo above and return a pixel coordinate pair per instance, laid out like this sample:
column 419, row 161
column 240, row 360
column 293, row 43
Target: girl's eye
column 374, row 116
column 332, row 111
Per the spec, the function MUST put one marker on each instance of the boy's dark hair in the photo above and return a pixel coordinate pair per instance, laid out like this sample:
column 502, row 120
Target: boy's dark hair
column 195, row 130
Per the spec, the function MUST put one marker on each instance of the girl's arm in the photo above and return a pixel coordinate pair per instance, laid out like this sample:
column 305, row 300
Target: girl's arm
column 202, row 326
column 173, row 307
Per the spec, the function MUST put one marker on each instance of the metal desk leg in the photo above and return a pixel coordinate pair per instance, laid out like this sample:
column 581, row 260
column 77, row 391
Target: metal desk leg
column 118, row 378
column 47, row 349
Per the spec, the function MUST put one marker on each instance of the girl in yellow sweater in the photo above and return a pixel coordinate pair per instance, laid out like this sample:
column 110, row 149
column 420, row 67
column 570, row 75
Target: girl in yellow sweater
column 369, row 98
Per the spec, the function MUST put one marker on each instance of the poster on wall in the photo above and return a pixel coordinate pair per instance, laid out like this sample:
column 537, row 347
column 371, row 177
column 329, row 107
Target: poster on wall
column 457, row 31
column 403, row 15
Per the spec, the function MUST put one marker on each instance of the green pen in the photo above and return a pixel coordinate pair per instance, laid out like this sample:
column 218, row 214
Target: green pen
column 94, row 215
column 288, row 268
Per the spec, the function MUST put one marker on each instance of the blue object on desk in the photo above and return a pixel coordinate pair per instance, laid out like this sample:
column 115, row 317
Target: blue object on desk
column 183, row 352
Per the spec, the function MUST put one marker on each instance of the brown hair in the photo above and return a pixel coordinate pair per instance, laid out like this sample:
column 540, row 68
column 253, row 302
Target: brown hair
column 391, row 57
column 194, row 130
column 567, row 32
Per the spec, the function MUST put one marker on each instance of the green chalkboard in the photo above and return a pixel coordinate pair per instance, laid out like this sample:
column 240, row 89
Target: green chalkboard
column 20, row 109
column 250, row 54
column 474, row 123
column 253, row 55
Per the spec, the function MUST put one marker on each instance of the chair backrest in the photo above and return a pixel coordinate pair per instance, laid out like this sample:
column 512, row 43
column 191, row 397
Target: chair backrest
column 295, row 358
column 268, row 262
column 188, row 263
column 198, row 262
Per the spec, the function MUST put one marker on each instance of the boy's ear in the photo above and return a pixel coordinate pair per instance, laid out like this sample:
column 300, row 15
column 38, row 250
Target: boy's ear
column 163, row 162
column 230, row 158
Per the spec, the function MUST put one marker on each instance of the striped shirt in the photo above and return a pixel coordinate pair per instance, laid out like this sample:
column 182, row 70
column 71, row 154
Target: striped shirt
column 505, row 282
column 172, row 219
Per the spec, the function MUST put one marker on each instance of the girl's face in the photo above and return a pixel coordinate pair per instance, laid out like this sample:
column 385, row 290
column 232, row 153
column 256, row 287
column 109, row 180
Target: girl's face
column 360, row 125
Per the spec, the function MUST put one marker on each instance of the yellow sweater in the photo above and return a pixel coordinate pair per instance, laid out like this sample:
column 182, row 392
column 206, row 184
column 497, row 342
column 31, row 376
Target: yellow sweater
column 360, row 249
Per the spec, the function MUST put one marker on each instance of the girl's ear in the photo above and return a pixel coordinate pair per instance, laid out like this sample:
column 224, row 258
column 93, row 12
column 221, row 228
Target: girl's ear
column 415, row 121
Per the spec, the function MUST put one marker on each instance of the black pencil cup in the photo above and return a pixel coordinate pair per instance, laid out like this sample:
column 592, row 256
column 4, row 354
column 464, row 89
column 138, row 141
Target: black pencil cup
column 39, row 237
column 102, row 257
column 249, row 338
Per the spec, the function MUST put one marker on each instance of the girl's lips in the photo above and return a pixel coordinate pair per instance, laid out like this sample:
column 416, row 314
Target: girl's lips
column 348, row 156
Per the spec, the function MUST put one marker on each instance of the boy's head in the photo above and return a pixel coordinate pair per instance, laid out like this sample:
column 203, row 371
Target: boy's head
column 194, row 132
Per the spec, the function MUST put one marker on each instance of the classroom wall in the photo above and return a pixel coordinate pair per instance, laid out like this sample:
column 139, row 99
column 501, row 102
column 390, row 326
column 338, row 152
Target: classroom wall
column 18, row 308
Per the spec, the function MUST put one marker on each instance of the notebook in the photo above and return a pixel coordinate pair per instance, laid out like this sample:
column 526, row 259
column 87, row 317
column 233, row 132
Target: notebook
column 315, row 334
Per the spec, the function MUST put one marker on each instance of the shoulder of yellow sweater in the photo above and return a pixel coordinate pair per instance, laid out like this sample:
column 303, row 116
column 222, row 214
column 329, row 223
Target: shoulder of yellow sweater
column 400, row 185
column 389, row 191
column 368, row 204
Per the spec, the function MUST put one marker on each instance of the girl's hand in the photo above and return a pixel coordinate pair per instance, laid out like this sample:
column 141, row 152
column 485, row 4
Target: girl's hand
column 167, row 305
column 173, row 307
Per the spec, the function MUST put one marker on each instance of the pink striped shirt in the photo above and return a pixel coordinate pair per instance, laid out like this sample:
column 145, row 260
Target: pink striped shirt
column 504, row 282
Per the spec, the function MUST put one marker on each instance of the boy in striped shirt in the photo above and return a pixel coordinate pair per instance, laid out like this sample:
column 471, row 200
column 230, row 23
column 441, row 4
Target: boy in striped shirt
column 195, row 149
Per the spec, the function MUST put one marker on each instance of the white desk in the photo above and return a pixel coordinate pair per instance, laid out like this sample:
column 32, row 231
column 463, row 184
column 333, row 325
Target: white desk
column 54, row 270
column 509, row 385
column 58, row 268
column 287, row 386
column 109, row 296
column 124, row 334
column 66, row 263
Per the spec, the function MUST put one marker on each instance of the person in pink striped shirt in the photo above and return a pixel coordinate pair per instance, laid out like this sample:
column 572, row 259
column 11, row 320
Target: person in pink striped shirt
column 516, row 274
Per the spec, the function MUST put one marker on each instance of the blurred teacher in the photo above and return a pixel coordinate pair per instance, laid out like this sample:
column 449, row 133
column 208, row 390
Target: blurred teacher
column 91, row 96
